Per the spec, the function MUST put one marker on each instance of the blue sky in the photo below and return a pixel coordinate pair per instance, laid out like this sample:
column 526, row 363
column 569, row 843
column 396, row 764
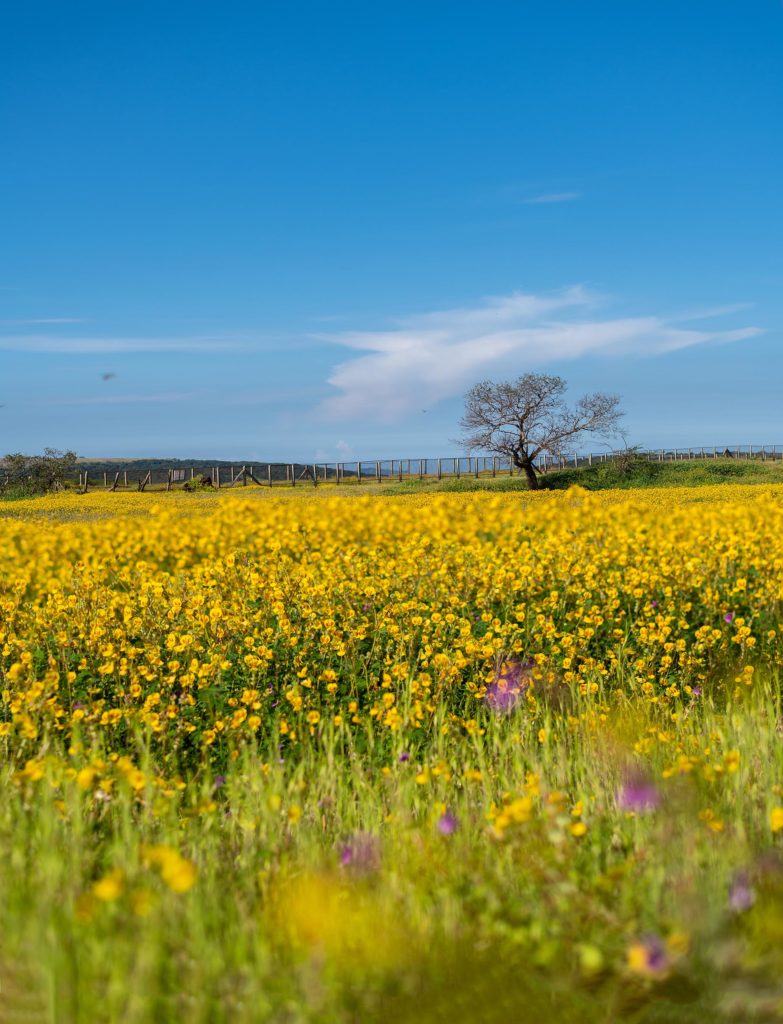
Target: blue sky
column 301, row 230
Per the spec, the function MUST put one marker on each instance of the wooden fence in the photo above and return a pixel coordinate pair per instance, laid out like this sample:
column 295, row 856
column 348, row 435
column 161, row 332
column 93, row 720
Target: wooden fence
column 378, row 471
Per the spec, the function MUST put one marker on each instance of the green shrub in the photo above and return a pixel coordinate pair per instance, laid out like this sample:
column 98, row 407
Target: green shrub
column 22, row 476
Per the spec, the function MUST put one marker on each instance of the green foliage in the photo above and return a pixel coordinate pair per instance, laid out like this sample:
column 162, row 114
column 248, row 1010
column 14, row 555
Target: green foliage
column 198, row 485
column 28, row 475
column 640, row 472
column 631, row 471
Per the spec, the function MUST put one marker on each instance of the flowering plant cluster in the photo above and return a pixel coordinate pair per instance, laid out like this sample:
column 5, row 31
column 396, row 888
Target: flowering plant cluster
column 360, row 732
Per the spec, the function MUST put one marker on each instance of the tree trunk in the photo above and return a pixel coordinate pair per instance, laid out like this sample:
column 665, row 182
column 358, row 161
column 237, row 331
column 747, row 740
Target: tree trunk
column 526, row 465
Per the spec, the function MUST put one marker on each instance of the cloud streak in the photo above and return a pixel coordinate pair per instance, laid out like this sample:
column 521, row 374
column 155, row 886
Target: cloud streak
column 435, row 356
column 552, row 197
column 37, row 321
column 50, row 344
column 165, row 397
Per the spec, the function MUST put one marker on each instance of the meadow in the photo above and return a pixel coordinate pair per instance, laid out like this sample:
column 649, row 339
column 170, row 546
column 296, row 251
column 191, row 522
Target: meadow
column 295, row 757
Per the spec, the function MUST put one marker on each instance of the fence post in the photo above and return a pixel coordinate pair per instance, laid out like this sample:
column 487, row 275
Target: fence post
column 477, row 469
column 269, row 473
column 440, row 469
column 494, row 465
column 217, row 477
column 576, row 461
column 456, row 467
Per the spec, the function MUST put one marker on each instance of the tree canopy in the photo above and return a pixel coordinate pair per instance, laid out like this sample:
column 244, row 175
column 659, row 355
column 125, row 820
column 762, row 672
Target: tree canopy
column 528, row 417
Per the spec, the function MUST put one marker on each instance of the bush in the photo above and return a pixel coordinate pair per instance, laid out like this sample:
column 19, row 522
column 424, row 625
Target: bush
column 26, row 475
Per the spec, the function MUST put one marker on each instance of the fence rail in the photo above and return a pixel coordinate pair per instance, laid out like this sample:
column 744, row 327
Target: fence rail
column 364, row 471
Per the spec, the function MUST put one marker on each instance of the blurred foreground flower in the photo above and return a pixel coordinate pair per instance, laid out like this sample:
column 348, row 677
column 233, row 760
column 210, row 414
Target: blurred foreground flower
column 648, row 957
column 109, row 888
column 447, row 824
column 742, row 895
column 351, row 925
column 511, row 683
column 177, row 872
column 638, row 794
column 361, row 853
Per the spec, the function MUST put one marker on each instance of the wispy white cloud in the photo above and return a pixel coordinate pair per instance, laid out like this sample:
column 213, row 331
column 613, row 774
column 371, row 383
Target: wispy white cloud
column 553, row 197
column 165, row 397
column 37, row 321
column 431, row 357
column 342, row 452
column 713, row 311
column 51, row 344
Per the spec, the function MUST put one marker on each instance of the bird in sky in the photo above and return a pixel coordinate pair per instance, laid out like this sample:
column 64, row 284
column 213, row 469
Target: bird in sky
column 108, row 376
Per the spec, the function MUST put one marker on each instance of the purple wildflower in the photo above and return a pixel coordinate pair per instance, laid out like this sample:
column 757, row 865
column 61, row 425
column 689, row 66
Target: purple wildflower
column 447, row 824
column 696, row 691
column 653, row 604
column 361, row 853
column 742, row 895
column 649, row 956
column 728, row 617
column 220, row 781
column 638, row 794
column 511, row 683
column 404, row 757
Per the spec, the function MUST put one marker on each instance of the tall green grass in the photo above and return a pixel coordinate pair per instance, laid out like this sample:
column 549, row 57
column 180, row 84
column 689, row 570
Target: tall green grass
column 420, row 923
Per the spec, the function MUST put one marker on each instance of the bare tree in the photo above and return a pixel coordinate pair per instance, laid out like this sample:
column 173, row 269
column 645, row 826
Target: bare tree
column 528, row 417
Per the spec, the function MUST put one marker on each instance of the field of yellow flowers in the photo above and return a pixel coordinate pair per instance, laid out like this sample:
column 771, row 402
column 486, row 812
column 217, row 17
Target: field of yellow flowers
column 298, row 758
